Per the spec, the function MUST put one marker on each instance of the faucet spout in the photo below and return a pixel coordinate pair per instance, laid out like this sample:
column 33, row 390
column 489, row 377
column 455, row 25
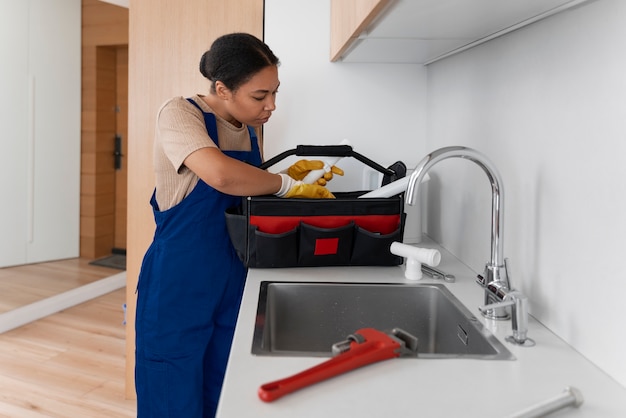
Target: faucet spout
column 495, row 270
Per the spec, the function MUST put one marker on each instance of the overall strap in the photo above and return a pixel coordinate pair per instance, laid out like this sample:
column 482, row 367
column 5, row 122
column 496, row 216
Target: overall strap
column 211, row 124
column 209, row 121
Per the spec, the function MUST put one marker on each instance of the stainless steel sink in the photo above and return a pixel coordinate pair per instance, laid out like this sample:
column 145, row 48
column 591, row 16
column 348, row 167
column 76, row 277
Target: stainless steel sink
column 307, row 318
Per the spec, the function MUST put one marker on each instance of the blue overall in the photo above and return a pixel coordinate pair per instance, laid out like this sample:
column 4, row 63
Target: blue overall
column 188, row 297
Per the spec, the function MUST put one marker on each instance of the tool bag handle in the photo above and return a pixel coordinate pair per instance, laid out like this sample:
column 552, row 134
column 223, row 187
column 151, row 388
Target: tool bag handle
column 332, row 151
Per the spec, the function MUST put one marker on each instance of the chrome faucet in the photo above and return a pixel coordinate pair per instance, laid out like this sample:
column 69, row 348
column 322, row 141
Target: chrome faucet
column 495, row 280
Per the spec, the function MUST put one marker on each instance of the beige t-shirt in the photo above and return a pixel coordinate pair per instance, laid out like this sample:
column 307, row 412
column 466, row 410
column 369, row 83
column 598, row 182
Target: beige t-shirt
column 180, row 130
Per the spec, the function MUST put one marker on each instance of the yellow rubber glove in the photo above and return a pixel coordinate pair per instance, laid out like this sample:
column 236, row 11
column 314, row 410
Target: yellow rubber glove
column 329, row 175
column 310, row 191
column 295, row 188
column 301, row 168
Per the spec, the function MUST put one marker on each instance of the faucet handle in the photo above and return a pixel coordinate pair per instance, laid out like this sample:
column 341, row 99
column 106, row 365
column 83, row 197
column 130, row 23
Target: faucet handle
column 519, row 302
column 484, row 308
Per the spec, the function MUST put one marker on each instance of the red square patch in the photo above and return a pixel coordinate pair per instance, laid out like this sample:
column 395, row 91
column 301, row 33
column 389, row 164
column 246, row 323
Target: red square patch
column 326, row 246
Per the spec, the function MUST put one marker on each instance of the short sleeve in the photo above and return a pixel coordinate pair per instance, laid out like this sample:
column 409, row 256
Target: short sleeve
column 181, row 131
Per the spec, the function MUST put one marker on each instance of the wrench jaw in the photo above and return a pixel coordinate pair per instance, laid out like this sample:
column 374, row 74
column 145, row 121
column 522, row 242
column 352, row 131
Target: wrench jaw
column 345, row 345
column 405, row 342
column 408, row 342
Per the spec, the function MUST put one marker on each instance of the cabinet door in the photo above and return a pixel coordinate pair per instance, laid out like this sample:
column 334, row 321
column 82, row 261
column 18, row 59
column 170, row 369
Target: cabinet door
column 14, row 142
column 423, row 31
column 55, row 68
column 40, row 170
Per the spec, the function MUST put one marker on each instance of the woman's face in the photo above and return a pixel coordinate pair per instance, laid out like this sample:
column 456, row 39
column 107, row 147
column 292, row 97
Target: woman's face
column 254, row 101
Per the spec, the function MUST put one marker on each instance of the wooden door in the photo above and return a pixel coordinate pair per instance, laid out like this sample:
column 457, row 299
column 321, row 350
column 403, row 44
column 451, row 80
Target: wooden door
column 104, row 43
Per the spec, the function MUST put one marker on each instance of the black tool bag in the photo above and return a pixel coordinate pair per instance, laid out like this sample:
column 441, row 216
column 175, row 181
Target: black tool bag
column 270, row 232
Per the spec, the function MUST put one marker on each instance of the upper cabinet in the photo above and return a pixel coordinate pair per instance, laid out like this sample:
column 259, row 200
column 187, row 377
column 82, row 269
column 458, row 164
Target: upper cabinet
column 423, row 31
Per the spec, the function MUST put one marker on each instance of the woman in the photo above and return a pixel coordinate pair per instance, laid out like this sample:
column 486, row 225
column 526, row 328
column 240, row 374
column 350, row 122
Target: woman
column 191, row 281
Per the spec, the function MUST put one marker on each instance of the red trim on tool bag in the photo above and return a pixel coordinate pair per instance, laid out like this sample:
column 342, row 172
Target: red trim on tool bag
column 383, row 224
column 326, row 246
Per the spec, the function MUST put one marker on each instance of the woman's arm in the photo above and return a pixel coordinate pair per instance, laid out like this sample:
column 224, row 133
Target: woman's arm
column 231, row 176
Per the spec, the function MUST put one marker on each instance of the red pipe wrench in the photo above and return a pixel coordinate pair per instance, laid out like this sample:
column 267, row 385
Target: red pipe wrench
column 365, row 346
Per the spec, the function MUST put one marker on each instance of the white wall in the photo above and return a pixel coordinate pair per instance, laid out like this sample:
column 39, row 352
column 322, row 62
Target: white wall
column 379, row 108
column 547, row 104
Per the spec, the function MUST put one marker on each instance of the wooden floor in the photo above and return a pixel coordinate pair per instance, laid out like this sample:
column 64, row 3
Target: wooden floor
column 30, row 283
column 70, row 364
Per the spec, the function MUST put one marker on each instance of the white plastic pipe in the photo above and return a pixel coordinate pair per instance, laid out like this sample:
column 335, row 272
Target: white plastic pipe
column 315, row 175
column 388, row 190
column 415, row 256
column 393, row 188
column 569, row 397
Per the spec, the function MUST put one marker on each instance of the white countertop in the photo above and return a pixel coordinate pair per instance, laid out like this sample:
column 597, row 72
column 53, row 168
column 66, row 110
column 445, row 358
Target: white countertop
column 422, row 388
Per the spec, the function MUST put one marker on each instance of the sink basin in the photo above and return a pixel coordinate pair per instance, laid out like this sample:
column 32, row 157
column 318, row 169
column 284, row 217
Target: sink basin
column 307, row 318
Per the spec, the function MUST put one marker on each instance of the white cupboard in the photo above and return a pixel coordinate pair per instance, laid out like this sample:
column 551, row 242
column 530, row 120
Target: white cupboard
column 40, row 46
column 423, row 31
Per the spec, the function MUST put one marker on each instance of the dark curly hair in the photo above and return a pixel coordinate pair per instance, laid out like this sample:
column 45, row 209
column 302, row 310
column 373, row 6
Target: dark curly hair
column 234, row 59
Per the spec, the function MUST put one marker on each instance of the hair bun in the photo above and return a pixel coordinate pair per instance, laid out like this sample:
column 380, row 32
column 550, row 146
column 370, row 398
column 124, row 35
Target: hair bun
column 234, row 58
column 203, row 66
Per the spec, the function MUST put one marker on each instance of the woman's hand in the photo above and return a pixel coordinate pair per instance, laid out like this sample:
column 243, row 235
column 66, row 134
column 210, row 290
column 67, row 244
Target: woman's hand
column 295, row 188
column 310, row 191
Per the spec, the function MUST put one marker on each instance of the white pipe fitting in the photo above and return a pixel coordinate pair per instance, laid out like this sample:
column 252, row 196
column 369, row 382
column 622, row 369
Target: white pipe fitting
column 415, row 256
column 329, row 162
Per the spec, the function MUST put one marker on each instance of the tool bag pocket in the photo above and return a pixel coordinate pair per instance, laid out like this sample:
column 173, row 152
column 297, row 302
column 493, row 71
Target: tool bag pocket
column 325, row 246
column 276, row 250
column 373, row 244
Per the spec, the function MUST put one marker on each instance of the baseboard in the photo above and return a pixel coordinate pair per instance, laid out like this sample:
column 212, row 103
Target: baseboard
column 40, row 309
